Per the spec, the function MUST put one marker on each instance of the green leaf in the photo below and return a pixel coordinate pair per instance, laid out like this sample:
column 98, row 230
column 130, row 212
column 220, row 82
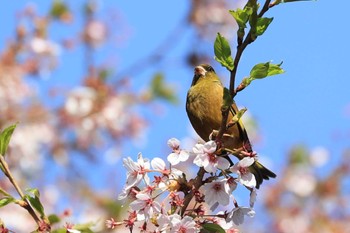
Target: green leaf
column 33, row 191
column 58, row 9
column 53, row 218
column 253, row 19
column 159, row 89
column 35, row 200
column 6, row 200
column 241, row 17
column 262, row 25
column 213, row 228
column 222, row 52
column 5, row 137
column 61, row 230
column 238, row 116
column 263, row 70
column 84, row 228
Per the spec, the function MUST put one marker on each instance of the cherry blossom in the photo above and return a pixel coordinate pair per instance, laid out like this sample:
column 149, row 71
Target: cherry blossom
column 145, row 205
column 136, row 171
column 184, row 225
column 205, row 157
column 177, row 155
column 241, row 168
column 238, row 213
column 215, row 192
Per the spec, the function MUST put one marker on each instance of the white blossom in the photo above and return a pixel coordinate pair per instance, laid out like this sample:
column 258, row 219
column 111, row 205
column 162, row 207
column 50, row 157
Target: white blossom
column 215, row 192
column 184, row 225
column 177, row 155
column 241, row 168
column 145, row 205
column 206, row 158
column 238, row 213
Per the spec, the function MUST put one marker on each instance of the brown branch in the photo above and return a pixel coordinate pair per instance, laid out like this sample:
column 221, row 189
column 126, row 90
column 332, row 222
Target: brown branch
column 198, row 182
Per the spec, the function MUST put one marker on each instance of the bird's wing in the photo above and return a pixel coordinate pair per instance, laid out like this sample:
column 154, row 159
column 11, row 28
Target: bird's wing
column 242, row 131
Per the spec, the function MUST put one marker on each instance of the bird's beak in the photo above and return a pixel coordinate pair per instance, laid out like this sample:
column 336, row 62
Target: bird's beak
column 199, row 71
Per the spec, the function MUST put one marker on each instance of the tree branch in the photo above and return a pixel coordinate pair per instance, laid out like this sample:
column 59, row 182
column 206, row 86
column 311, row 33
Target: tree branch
column 240, row 49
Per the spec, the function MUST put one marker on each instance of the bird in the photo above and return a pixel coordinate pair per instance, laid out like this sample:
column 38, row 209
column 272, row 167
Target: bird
column 204, row 109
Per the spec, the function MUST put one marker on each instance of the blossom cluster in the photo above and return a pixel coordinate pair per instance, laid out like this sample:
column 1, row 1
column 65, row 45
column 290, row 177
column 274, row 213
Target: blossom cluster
column 175, row 202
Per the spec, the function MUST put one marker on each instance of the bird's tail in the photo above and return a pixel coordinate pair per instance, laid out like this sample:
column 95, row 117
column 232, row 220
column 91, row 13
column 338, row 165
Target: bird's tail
column 261, row 173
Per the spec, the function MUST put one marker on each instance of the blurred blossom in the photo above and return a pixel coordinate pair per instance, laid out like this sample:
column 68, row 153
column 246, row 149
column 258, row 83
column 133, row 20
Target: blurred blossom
column 295, row 224
column 301, row 181
column 12, row 88
column 319, row 156
column 27, row 143
column 46, row 56
column 95, row 33
column 42, row 46
column 15, row 215
column 210, row 17
column 80, row 101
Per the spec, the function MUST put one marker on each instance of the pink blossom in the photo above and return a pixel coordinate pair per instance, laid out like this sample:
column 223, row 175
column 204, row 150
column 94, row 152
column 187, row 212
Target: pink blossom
column 205, row 157
column 215, row 192
column 177, row 155
column 241, row 168
column 184, row 225
column 145, row 205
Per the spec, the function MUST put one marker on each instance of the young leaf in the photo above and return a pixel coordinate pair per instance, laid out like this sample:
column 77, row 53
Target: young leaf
column 35, row 200
column 253, row 19
column 238, row 116
column 6, row 200
column 53, row 218
column 5, row 137
column 263, row 70
column 222, row 52
column 213, row 228
column 262, row 25
column 241, row 17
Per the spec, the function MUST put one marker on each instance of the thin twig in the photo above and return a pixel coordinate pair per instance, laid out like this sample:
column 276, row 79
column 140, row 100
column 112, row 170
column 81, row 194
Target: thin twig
column 4, row 192
column 25, row 205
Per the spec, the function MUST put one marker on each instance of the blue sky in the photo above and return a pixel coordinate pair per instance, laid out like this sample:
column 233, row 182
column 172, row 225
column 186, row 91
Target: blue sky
column 305, row 105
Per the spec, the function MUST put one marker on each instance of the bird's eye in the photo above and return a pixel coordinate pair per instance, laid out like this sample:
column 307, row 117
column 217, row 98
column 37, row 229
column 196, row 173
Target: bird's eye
column 210, row 69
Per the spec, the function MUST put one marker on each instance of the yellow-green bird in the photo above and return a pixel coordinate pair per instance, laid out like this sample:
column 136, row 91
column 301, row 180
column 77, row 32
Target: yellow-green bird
column 203, row 106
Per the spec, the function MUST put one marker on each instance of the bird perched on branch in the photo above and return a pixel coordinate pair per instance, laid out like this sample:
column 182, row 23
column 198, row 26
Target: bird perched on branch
column 203, row 106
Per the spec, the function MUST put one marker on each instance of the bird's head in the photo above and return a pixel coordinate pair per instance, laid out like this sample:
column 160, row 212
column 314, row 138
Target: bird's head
column 201, row 71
